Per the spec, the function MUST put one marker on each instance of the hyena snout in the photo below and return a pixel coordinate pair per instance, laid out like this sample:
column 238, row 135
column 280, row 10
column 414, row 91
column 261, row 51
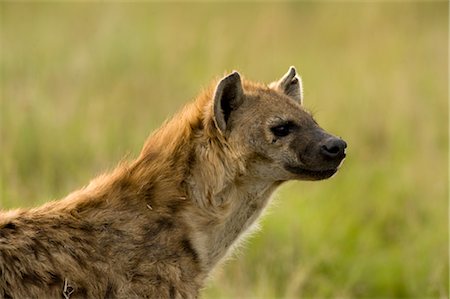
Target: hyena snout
column 333, row 148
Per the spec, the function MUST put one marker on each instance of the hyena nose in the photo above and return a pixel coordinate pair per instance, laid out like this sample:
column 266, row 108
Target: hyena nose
column 333, row 148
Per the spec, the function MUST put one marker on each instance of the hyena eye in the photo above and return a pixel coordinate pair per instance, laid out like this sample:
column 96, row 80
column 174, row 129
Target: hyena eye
column 282, row 130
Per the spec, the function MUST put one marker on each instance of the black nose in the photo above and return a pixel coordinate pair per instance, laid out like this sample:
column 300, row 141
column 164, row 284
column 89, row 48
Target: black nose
column 333, row 148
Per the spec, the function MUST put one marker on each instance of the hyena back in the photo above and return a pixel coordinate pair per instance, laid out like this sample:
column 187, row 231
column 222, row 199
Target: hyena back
column 155, row 227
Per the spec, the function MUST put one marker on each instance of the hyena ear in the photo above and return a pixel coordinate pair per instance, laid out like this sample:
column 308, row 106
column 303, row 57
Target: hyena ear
column 290, row 84
column 228, row 96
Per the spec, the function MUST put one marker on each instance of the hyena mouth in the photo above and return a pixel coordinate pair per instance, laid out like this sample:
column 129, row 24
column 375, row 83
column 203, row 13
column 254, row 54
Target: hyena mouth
column 312, row 174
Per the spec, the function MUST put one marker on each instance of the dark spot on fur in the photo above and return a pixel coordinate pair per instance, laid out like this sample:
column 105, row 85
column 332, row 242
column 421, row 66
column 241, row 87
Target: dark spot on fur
column 88, row 227
column 54, row 279
column 187, row 248
column 10, row 225
column 164, row 223
column 76, row 239
column 32, row 278
column 190, row 161
column 147, row 192
column 7, row 229
column 56, row 225
column 153, row 230
column 252, row 209
column 172, row 292
column 110, row 291
column 191, row 158
column 175, row 206
column 123, row 185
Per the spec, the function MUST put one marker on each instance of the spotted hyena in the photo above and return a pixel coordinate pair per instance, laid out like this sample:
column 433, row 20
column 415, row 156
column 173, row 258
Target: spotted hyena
column 156, row 226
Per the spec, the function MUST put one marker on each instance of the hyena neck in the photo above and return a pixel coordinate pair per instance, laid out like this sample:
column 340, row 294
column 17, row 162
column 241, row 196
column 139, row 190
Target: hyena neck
column 226, row 211
column 246, row 205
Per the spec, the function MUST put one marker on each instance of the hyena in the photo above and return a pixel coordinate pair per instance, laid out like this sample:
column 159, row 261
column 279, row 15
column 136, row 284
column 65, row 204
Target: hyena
column 155, row 227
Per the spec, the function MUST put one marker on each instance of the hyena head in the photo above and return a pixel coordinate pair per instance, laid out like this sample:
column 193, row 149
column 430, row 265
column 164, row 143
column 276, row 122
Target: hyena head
column 269, row 127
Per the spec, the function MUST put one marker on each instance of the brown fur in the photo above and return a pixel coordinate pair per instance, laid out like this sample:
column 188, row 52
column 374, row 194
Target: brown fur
column 155, row 227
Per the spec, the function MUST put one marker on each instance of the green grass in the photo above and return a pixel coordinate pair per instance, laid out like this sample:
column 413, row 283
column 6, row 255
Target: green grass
column 83, row 84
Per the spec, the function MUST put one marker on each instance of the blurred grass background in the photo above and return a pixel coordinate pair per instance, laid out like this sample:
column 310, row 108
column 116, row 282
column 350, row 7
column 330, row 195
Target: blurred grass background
column 83, row 84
